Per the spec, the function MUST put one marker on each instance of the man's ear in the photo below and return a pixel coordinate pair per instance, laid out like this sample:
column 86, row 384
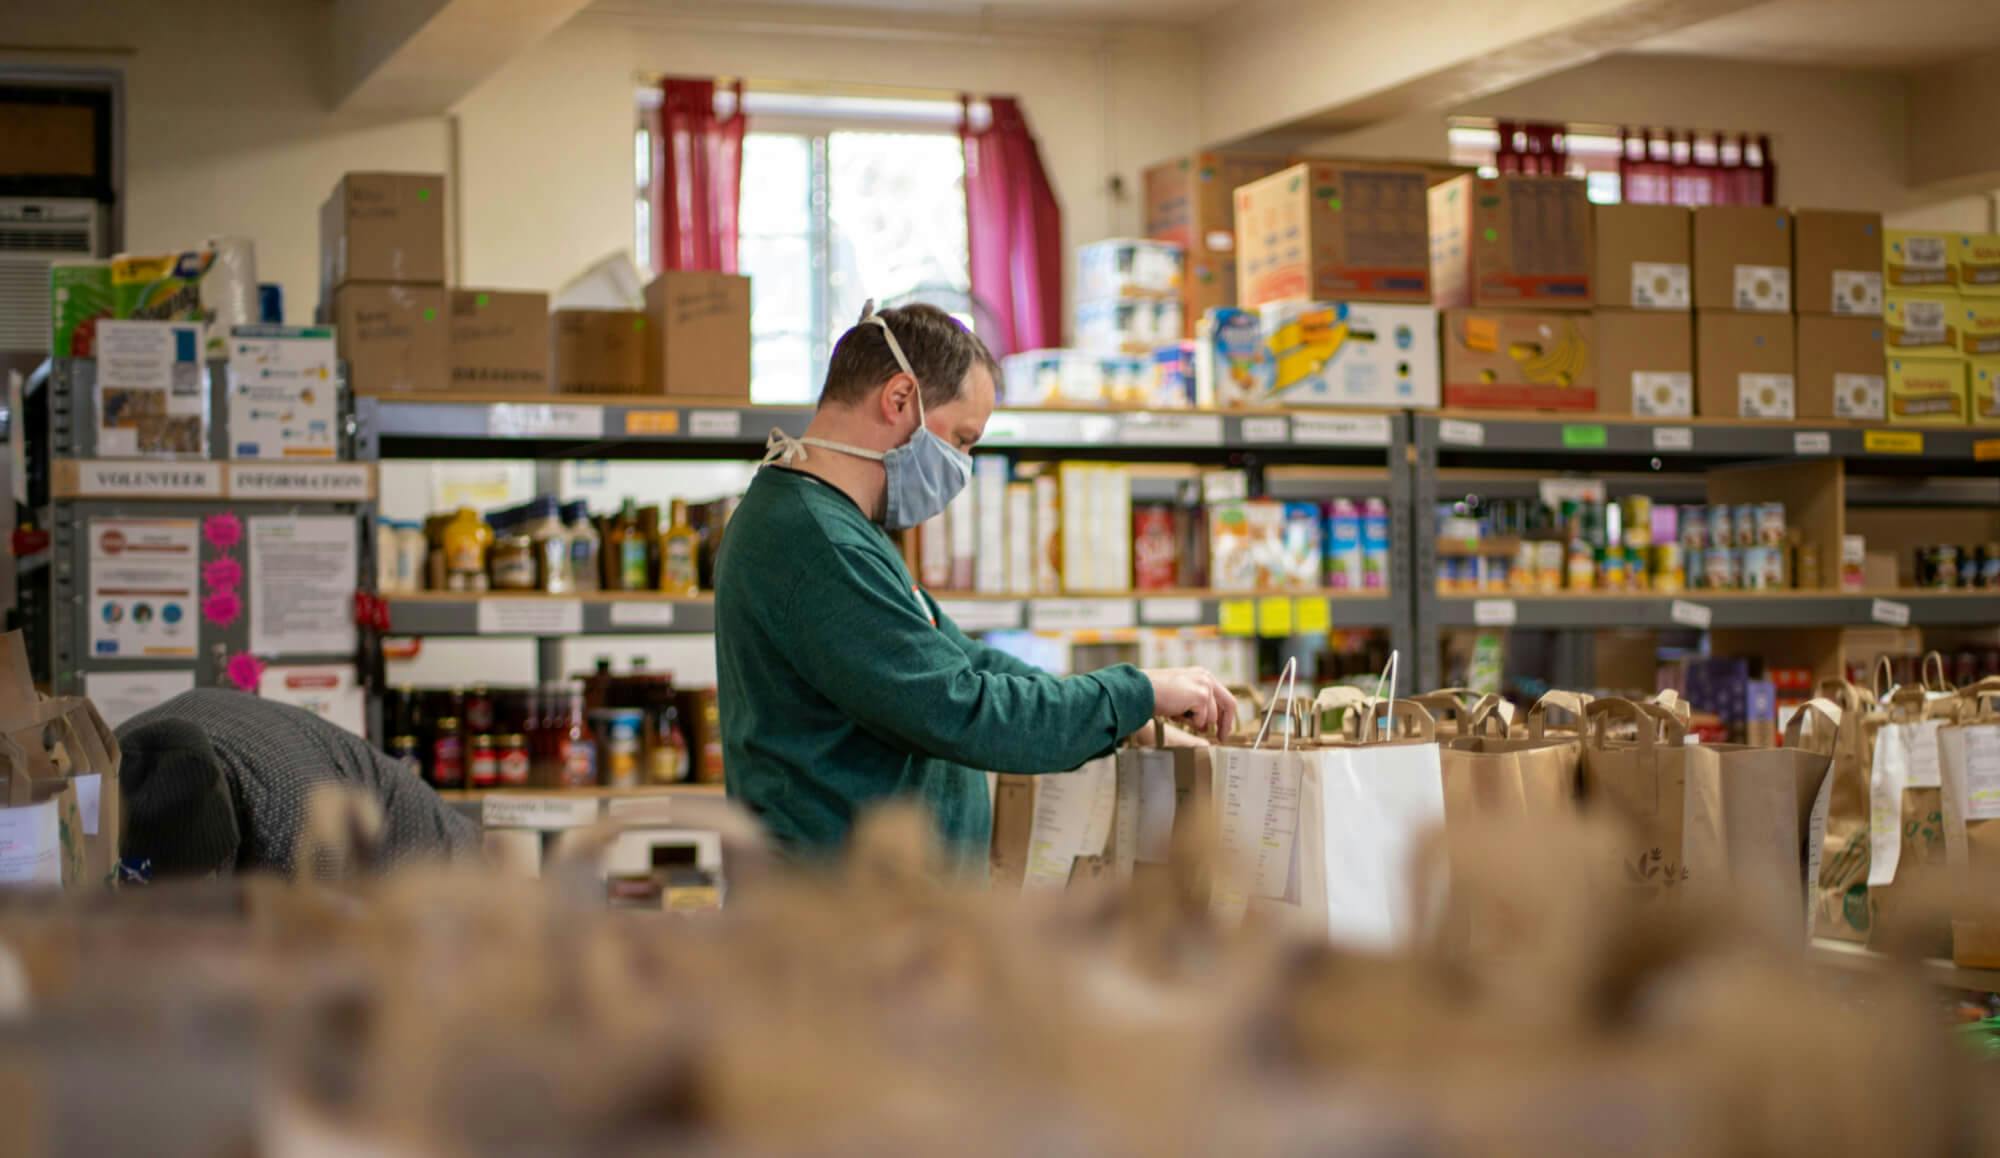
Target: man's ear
column 899, row 397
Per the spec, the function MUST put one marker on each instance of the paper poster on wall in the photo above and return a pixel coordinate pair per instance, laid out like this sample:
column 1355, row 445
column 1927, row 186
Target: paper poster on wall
column 152, row 400
column 142, row 588
column 303, row 572
column 283, row 393
column 329, row 691
column 120, row 695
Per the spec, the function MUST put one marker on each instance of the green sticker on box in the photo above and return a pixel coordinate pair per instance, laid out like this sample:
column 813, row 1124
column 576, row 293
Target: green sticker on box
column 430, row 314
column 638, row 324
column 481, row 300
column 1492, row 234
column 1585, row 437
column 423, row 194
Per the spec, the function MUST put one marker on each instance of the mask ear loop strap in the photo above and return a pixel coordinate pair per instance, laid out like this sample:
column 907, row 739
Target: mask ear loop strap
column 868, row 315
column 1291, row 674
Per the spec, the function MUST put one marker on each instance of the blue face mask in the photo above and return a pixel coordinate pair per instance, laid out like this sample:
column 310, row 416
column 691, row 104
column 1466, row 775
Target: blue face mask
column 924, row 474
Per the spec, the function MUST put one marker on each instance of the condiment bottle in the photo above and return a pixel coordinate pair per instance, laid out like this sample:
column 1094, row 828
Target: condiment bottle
column 513, row 555
column 576, row 749
column 680, row 555
column 626, row 552
column 544, row 526
column 466, row 541
column 585, row 570
column 483, row 765
column 447, row 754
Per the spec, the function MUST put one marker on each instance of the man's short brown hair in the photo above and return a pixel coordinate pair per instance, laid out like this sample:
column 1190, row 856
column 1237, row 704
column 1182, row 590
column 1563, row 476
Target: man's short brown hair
column 941, row 352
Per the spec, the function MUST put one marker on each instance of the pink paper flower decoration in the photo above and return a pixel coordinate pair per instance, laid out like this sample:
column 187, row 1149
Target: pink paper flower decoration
column 246, row 671
column 222, row 608
column 222, row 531
column 224, row 574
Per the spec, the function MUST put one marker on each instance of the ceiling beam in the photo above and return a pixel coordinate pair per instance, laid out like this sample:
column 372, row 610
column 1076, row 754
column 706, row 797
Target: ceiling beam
column 421, row 57
column 1276, row 70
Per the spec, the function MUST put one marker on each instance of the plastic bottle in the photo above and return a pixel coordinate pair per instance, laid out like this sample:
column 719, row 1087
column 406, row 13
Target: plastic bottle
column 544, row 527
column 576, row 748
column 512, row 555
column 680, row 555
column 626, row 551
column 586, row 570
column 467, row 539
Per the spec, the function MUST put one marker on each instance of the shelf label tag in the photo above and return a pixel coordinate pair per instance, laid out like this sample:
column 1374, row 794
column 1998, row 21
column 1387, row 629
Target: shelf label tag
column 165, row 480
column 650, row 613
column 1170, row 612
column 652, row 422
column 1812, row 442
column 1225, row 486
column 506, row 810
column 1892, row 441
column 1237, row 617
column 1267, row 430
column 1986, row 450
column 1591, row 437
column 715, row 423
column 982, row 614
column 1341, row 430
column 1673, row 438
column 1890, row 612
column 1312, row 615
column 327, row 482
column 1461, row 433
column 1171, row 429
column 1697, row 615
column 1274, row 616
column 537, row 617
column 1082, row 614
column 538, row 420
column 1494, row 612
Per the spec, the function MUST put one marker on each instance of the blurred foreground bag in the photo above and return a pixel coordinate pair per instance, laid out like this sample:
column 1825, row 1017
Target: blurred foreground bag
column 63, row 817
column 1043, row 825
column 1907, row 872
column 1969, row 773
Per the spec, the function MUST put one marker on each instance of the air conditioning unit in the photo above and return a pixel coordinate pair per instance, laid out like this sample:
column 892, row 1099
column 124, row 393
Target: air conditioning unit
column 33, row 233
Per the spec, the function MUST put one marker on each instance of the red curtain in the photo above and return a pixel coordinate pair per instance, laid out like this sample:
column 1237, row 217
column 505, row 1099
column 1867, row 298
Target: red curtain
column 1531, row 147
column 1013, row 230
column 1675, row 167
column 697, row 176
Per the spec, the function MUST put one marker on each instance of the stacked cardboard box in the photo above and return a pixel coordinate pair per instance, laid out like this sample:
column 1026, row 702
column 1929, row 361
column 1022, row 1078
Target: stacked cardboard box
column 1941, row 326
column 1190, row 202
column 1838, row 293
column 696, row 335
column 1334, row 277
column 1746, row 363
column 1643, row 284
column 382, row 280
column 1512, row 264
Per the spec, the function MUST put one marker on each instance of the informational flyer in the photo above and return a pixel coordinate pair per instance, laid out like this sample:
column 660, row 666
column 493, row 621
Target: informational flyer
column 31, row 845
column 303, row 573
column 120, row 695
column 329, row 691
column 142, row 588
column 303, row 577
column 152, row 400
column 283, row 393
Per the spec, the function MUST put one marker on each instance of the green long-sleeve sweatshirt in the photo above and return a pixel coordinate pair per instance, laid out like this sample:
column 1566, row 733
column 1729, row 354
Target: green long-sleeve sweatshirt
column 841, row 683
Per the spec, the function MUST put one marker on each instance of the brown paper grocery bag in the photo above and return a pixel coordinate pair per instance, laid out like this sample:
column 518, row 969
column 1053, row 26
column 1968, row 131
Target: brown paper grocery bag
column 1163, row 793
column 1574, row 705
column 41, row 837
column 1969, row 769
column 1908, row 873
column 1666, row 792
column 1488, row 773
column 1774, row 803
column 1841, row 907
column 1451, row 708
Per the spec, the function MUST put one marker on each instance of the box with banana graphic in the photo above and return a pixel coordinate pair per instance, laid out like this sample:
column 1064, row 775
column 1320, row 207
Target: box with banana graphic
column 1519, row 360
column 1351, row 354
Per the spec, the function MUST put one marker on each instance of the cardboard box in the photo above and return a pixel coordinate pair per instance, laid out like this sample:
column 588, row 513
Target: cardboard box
column 1841, row 368
column 1192, row 201
column 1916, row 326
column 1837, row 263
column 1334, row 231
column 1978, row 325
column 1977, row 259
column 1532, row 361
column 1983, row 391
column 1743, row 258
column 599, row 351
column 1125, row 267
column 1645, row 363
column 499, row 340
column 394, row 338
column 1927, row 392
column 1744, row 365
column 1351, row 354
column 700, row 327
column 1919, row 261
column 1644, row 257
column 1511, row 241
column 382, row 227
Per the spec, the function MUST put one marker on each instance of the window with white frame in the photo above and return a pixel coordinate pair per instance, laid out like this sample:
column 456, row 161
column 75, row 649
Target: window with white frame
column 843, row 199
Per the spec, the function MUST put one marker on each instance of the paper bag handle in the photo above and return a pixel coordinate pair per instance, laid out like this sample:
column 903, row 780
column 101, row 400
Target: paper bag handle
column 1576, row 704
column 1490, row 710
column 1933, row 673
column 1850, row 696
column 1288, row 677
column 20, row 783
column 1404, row 711
column 1671, row 700
column 1883, row 678
column 1652, row 724
column 1824, row 709
column 1447, row 703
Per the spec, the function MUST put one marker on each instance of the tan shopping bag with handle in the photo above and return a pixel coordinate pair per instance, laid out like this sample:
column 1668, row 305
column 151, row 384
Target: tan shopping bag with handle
column 1841, row 910
column 1908, row 877
column 1665, row 791
column 1969, row 778
column 1256, row 793
column 1163, row 793
column 1488, row 773
column 1774, row 804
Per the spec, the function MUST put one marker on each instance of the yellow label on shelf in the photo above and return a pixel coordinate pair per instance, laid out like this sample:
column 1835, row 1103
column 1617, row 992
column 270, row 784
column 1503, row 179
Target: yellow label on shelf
column 1312, row 615
column 1274, row 616
column 1892, row 441
column 652, row 422
column 1986, row 449
column 1237, row 617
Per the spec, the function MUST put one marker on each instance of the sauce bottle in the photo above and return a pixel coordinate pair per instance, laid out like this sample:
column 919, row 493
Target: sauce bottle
column 680, row 555
column 467, row 539
column 447, row 768
column 626, row 552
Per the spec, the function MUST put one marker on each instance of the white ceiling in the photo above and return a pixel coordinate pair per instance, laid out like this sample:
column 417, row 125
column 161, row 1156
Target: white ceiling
column 1877, row 34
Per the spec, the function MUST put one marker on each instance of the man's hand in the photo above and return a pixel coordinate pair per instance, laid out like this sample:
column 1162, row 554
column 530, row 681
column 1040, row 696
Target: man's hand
column 1190, row 695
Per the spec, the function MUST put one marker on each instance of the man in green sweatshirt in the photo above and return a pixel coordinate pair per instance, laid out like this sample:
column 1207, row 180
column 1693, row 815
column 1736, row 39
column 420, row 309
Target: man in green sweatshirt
column 841, row 683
